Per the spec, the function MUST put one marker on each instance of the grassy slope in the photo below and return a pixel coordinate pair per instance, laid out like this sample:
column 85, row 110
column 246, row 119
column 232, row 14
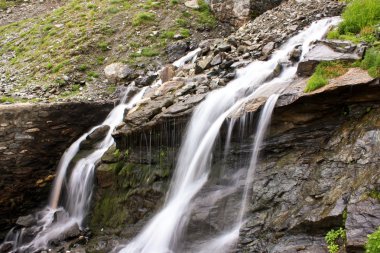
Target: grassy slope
column 82, row 37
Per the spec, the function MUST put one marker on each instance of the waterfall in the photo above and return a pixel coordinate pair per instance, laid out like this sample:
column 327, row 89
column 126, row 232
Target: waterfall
column 164, row 231
column 54, row 220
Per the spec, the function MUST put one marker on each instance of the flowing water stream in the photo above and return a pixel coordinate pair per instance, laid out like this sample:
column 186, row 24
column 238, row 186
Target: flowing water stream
column 165, row 232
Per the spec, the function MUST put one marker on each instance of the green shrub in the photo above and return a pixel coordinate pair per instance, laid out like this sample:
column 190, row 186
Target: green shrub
column 358, row 15
column 371, row 62
column 373, row 243
column 335, row 239
column 82, row 67
column 143, row 18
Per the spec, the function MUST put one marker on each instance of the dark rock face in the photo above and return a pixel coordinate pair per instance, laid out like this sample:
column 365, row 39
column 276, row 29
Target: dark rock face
column 32, row 139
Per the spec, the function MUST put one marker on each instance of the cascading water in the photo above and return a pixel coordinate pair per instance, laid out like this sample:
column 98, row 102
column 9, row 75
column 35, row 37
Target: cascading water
column 164, row 232
column 53, row 221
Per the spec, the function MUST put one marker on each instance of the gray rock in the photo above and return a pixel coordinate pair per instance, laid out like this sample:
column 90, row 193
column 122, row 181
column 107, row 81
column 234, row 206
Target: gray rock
column 98, row 134
column 268, row 48
column 176, row 50
column 167, row 73
column 193, row 4
column 329, row 51
column 26, row 221
column 118, row 71
column 203, row 64
column 146, row 80
column 216, row 60
column 363, row 218
column 296, row 53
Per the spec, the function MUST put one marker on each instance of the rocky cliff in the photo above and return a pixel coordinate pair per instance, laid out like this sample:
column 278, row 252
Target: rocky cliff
column 317, row 172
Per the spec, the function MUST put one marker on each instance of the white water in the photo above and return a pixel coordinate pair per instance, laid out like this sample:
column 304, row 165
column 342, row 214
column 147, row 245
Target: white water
column 79, row 188
column 191, row 56
column 164, row 232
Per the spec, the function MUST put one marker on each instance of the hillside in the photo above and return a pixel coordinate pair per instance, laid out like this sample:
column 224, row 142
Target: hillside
column 60, row 54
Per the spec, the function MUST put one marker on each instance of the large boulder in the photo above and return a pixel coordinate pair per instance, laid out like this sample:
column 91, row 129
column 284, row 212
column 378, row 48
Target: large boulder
column 329, row 51
column 118, row 71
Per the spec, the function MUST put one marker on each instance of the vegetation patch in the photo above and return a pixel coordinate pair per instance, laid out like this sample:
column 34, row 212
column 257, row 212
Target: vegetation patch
column 143, row 18
column 324, row 72
column 335, row 239
column 360, row 19
column 371, row 62
column 373, row 243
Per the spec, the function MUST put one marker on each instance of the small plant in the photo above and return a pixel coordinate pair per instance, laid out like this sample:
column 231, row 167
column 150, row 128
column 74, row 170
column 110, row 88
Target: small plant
column 93, row 74
column 371, row 62
column 335, row 239
column 103, row 45
column 75, row 87
column 174, row 2
column 167, row 35
column 82, row 67
column 143, row 18
column 113, row 10
column 373, row 243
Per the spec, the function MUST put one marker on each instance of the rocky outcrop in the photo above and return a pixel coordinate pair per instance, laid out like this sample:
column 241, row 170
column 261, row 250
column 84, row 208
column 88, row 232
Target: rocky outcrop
column 329, row 50
column 32, row 139
column 240, row 12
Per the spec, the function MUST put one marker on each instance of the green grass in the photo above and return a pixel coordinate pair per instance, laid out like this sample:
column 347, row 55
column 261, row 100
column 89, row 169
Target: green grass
column 371, row 62
column 149, row 52
column 358, row 15
column 373, row 243
column 332, row 239
column 324, row 72
column 359, row 20
column 143, row 18
column 205, row 16
column 5, row 99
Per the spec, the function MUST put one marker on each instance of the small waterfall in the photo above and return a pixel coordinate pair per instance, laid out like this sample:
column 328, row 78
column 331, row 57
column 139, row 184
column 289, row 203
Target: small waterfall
column 53, row 221
column 166, row 229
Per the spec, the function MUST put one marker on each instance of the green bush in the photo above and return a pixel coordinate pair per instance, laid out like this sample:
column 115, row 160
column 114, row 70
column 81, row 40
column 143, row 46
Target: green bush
column 373, row 243
column 371, row 62
column 143, row 18
column 149, row 52
column 358, row 15
column 332, row 239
